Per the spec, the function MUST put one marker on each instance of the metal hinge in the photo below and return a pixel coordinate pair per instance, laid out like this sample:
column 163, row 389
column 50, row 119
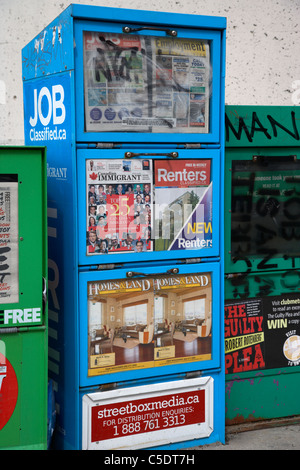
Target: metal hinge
column 105, row 145
column 192, row 260
column 192, row 146
column 102, row 267
column 21, row 329
column 194, row 374
column 44, row 295
column 108, row 387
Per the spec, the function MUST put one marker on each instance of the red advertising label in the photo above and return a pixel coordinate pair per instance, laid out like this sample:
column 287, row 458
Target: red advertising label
column 107, row 41
column 8, row 390
column 146, row 415
column 182, row 173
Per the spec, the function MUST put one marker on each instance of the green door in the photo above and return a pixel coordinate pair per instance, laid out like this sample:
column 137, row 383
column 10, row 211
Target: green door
column 23, row 304
column 262, row 263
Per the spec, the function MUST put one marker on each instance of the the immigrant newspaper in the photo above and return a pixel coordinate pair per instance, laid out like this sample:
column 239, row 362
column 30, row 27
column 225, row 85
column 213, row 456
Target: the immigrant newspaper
column 146, row 84
column 119, row 196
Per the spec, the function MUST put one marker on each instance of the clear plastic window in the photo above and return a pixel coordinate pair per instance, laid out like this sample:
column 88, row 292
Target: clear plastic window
column 150, row 321
column 265, row 207
column 146, row 83
column 9, row 239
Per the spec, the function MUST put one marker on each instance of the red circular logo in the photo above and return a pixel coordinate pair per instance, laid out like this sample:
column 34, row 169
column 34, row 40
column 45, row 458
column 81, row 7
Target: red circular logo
column 8, row 390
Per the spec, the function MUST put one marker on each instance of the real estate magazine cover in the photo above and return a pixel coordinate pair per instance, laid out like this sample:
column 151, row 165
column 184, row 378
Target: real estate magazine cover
column 183, row 204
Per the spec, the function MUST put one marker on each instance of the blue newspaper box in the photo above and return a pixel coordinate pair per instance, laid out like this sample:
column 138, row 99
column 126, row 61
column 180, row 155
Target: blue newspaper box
column 131, row 107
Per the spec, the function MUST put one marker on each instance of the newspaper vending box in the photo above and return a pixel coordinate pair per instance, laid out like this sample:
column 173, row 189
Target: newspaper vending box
column 130, row 105
column 262, row 315
column 23, row 299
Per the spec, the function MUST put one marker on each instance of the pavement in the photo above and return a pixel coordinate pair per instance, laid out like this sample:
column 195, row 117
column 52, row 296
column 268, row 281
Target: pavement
column 273, row 438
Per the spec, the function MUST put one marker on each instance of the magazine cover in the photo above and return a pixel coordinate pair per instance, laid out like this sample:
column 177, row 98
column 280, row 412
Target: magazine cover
column 118, row 206
column 146, row 84
column 183, row 204
column 149, row 322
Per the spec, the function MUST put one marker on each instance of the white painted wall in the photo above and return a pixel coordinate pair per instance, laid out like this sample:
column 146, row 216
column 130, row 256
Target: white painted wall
column 263, row 59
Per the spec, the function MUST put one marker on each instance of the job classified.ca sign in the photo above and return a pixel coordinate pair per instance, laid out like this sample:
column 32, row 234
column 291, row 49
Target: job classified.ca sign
column 50, row 112
column 46, row 110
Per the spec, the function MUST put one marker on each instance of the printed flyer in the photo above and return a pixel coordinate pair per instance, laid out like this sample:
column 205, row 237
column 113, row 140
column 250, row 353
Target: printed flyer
column 183, row 204
column 146, row 84
column 262, row 333
column 9, row 244
column 149, row 322
column 118, row 206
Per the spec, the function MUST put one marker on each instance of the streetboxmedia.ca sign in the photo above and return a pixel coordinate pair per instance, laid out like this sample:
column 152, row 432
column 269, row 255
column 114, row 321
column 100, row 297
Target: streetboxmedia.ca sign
column 148, row 415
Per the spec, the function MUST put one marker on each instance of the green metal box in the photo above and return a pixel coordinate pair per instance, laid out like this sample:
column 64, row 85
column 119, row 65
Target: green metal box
column 23, row 298
column 262, row 263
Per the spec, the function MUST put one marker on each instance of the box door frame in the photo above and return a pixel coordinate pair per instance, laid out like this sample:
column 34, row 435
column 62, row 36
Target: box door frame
column 181, row 367
column 120, row 257
column 213, row 136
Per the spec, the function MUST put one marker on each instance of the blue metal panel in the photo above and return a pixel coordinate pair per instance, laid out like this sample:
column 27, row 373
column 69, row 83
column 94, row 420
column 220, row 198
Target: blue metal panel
column 181, row 366
column 122, row 257
column 87, row 12
column 51, row 51
column 213, row 136
column 53, row 125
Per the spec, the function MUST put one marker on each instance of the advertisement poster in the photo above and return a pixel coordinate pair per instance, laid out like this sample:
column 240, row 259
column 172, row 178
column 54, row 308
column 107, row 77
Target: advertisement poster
column 146, row 84
column 262, row 333
column 183, row 204
column 9, row 247
column 148, row 322
column 119, row 199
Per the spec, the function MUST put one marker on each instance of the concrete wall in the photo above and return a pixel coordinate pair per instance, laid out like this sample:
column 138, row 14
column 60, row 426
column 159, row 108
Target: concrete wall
column 263, row 64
